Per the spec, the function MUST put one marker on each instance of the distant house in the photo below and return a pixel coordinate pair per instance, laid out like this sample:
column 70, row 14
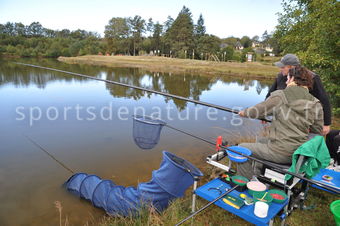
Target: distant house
column 268, row 48
column 260, row 48
column 238, row 45
column 255, row 44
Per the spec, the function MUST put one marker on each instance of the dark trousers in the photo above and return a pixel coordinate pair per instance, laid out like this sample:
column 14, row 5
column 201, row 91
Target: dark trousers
column 333, row 144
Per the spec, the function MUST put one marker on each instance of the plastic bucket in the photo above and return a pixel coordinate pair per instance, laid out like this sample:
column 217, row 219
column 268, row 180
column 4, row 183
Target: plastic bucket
column 256, row 187
column 261, row 209
column 236, row 157
column 335, row 209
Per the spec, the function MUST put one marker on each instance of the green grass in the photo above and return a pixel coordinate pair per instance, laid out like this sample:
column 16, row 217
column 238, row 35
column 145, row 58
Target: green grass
column 175, row 65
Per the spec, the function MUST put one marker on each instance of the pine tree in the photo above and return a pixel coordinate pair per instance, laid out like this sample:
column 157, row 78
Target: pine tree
column 156, row 37
column 200, row 28
column 137, row 27
column 180, row 35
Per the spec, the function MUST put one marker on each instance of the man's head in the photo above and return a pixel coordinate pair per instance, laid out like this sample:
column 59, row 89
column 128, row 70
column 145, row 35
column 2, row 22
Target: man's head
column 287, row 62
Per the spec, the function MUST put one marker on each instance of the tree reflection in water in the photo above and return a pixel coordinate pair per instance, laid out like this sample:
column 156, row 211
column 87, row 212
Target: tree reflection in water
column 186, row 85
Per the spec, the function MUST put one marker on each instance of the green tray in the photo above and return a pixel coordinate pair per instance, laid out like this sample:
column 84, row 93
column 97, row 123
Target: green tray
column 279, row 192
column 263, row 197
column 237, row 180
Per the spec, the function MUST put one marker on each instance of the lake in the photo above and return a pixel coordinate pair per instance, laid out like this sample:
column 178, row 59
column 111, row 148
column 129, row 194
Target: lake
column 87, row 125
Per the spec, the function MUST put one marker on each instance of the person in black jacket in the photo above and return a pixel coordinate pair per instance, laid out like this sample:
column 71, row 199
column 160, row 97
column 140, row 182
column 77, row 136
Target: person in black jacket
column 290, row 61
column 333, row 145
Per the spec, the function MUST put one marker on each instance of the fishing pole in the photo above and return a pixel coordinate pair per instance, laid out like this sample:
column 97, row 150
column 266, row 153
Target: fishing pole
column 207, row 205
column 323, row 185
column 49, row 154
column 196, row 102
column 140, row 88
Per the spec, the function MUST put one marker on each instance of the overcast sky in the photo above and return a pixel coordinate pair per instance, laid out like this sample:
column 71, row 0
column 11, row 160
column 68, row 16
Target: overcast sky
column 223, row 18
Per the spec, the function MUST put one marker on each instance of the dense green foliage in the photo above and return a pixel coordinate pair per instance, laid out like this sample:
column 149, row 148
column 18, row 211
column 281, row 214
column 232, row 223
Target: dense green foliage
column 35, row 40
column 311, row 29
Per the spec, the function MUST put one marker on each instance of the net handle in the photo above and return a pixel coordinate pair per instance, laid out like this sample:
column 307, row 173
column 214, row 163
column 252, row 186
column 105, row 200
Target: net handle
column 148, row 122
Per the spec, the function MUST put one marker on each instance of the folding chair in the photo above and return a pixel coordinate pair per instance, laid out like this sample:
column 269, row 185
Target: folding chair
column 295, row 188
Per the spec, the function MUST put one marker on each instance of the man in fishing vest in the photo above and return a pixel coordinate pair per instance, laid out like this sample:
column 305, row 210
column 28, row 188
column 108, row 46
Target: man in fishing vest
column 296, row 113
column 290, row 61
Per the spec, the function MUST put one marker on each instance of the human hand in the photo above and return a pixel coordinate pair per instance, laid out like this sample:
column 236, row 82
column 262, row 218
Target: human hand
column 241, row 113
column 325, row 130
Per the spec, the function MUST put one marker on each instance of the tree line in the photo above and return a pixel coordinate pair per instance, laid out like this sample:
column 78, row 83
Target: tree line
column 36, row 41
column 179, row 37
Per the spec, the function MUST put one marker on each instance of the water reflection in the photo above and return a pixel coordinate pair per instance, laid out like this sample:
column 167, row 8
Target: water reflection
column 186, row 85
column 30, row 180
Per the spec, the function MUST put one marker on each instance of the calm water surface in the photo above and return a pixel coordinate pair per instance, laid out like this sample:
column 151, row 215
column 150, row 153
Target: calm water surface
column 97, row 138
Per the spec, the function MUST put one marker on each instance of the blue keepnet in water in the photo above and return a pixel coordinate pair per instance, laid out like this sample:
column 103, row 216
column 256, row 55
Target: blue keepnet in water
column 170, row 181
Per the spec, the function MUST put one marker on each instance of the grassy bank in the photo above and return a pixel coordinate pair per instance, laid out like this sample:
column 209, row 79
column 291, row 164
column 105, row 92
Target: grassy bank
column 317, row 203
column 318, row 212
column 174, row 65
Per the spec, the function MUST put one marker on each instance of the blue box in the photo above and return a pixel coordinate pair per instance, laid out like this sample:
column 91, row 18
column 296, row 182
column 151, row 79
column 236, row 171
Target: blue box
column 245, row 212
column 334, row 183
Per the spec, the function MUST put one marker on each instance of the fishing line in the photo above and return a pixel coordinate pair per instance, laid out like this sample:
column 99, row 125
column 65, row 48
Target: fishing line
column 323, row 185
column 189, row 100
column 189, row 134
column 49, row 154
column 140, row 88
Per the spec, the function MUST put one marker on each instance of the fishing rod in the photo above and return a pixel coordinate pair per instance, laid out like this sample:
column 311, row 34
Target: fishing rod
column 196, row 102
column 323, row 185
column 207, row 205
column 140, row 88
column 49, row 154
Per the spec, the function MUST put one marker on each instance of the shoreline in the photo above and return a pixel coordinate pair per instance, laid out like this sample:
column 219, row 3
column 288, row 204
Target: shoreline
column 175, row 65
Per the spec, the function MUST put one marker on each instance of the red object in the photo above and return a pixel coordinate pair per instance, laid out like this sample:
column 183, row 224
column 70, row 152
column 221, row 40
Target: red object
column 240, row 181
column 277, row 196
column 218, row 143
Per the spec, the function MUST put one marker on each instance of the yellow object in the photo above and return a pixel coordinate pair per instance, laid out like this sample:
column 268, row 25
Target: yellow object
column 243, row 196
column 261, row 199
column 231, row 204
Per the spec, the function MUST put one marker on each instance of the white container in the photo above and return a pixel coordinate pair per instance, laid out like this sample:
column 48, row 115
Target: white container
column 261, row 209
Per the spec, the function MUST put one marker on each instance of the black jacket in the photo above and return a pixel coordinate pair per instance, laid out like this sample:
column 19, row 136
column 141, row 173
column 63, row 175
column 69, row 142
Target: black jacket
column 318, row 92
